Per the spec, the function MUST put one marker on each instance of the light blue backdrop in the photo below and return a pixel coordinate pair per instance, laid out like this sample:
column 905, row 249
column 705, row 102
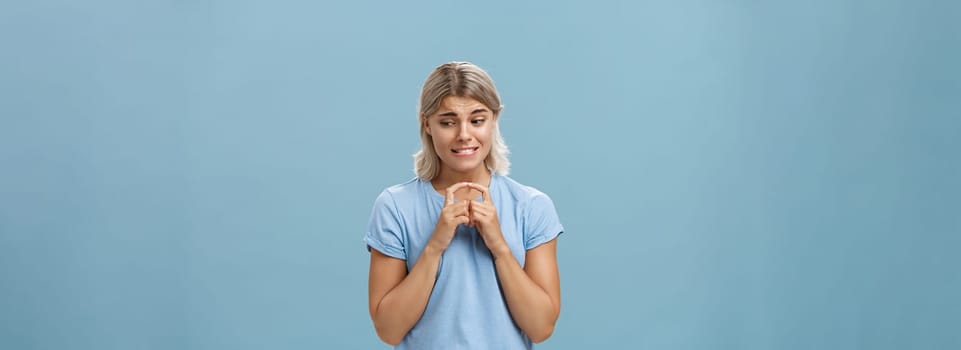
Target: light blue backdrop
column 731, row 174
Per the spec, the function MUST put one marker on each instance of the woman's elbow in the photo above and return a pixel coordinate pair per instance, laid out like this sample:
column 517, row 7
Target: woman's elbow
column 391, row 340
column 542, row 334
column 386, row 335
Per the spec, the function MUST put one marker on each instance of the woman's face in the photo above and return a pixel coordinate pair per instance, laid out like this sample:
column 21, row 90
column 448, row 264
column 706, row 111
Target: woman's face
column 461, row 129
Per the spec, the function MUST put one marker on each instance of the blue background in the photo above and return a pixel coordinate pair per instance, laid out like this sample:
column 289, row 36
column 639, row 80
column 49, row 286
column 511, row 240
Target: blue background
column 731, row 174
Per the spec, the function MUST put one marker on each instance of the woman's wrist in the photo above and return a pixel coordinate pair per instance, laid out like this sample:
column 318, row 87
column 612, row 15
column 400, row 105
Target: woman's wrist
column 500, row 250
column 433, row 248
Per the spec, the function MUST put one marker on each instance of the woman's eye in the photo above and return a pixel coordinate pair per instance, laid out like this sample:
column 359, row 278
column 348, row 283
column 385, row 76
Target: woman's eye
column 477, row 121
column 446, row 123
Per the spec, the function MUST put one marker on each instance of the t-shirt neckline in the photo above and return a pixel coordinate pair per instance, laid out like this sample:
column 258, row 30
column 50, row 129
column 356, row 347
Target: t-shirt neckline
column 436, row 195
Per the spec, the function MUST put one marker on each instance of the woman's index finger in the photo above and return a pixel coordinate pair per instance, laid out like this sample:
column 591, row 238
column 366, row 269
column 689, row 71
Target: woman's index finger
column 453, row 188
column 485, row 192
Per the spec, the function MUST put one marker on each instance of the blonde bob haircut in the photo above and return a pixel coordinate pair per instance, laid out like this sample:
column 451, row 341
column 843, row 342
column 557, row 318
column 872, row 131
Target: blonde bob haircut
column 461, row 79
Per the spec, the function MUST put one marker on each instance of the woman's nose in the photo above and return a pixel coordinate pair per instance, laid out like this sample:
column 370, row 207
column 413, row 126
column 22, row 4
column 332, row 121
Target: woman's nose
column 463, row 133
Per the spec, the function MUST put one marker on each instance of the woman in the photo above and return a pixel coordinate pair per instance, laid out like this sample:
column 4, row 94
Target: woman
column 462, row 256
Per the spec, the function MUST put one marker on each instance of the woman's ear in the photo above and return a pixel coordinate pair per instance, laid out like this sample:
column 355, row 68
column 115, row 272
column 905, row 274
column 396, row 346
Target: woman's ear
column 426, row 126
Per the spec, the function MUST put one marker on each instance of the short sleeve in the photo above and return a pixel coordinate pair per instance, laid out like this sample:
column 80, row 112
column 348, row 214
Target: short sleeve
column 541, row 223
column 384, row 231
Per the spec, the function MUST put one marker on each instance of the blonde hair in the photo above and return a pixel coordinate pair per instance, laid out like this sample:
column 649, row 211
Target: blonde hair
column 461, row 79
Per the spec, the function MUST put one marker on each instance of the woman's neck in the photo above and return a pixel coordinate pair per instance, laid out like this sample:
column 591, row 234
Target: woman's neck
column 448, row 178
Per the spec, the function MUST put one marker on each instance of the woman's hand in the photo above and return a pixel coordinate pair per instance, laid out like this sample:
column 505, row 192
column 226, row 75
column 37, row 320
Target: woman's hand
column 483, row 216
column 452, row 215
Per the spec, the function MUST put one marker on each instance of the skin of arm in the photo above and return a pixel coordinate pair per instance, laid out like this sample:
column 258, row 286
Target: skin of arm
column 397, row 299
column 533, row 293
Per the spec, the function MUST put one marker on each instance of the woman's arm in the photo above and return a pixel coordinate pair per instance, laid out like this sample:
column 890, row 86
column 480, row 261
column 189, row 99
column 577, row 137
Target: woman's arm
column 398, row 299
column 533, row 293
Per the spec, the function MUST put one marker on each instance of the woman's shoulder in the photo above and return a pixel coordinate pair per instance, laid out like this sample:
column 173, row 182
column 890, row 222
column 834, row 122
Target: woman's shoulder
column 409, row 185
column 409, row 191
column 519, row 191
column 406, row 188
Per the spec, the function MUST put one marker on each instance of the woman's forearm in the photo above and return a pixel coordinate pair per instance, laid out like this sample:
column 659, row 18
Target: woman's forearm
column 530, row 305
column 401, row 308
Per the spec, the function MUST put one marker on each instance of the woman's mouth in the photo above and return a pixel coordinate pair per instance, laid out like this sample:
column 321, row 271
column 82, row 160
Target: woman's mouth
column 465, row 151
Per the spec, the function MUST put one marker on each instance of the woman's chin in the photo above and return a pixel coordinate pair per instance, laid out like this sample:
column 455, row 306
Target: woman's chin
column 465, row 168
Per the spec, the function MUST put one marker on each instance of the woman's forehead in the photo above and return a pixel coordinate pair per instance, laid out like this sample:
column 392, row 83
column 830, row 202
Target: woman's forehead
column 461, row 103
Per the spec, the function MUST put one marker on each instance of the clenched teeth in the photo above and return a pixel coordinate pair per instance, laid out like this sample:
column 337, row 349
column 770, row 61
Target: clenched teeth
column 465, row 150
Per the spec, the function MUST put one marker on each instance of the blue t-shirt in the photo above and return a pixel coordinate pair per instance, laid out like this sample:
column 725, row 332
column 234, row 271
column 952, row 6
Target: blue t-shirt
column 466, row 309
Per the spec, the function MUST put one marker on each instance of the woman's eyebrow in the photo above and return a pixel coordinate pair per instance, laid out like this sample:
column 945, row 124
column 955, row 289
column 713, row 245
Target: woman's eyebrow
column 454, row 114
